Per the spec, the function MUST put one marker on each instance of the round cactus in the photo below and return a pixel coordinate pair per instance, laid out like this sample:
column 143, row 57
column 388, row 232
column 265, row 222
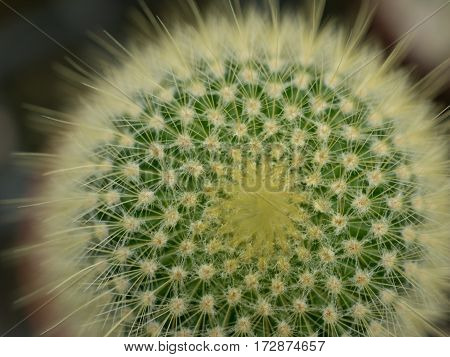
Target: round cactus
column 250, row 176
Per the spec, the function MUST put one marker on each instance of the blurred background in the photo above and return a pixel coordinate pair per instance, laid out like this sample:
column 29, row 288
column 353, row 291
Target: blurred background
column 28, row 75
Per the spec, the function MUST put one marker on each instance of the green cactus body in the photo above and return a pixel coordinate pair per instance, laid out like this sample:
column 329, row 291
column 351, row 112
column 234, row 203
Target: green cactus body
column 254, row 179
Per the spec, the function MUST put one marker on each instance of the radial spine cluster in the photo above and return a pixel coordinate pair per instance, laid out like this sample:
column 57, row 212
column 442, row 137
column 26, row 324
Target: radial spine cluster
column 268, row 183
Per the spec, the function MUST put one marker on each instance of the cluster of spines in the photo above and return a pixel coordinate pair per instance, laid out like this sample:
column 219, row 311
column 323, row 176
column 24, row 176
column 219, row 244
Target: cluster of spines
column 352, row 248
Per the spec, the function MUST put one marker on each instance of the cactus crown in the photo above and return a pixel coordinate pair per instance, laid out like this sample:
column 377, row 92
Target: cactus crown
column 251, row 181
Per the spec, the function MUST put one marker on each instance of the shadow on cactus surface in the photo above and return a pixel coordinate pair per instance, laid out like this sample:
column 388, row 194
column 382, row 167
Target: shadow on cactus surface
column 254, row 174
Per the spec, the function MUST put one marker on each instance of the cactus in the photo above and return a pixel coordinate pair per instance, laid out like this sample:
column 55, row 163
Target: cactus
column 250, row 177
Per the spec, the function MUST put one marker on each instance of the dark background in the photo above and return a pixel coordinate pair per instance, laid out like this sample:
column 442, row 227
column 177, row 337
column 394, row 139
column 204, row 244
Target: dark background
column 28, row 75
